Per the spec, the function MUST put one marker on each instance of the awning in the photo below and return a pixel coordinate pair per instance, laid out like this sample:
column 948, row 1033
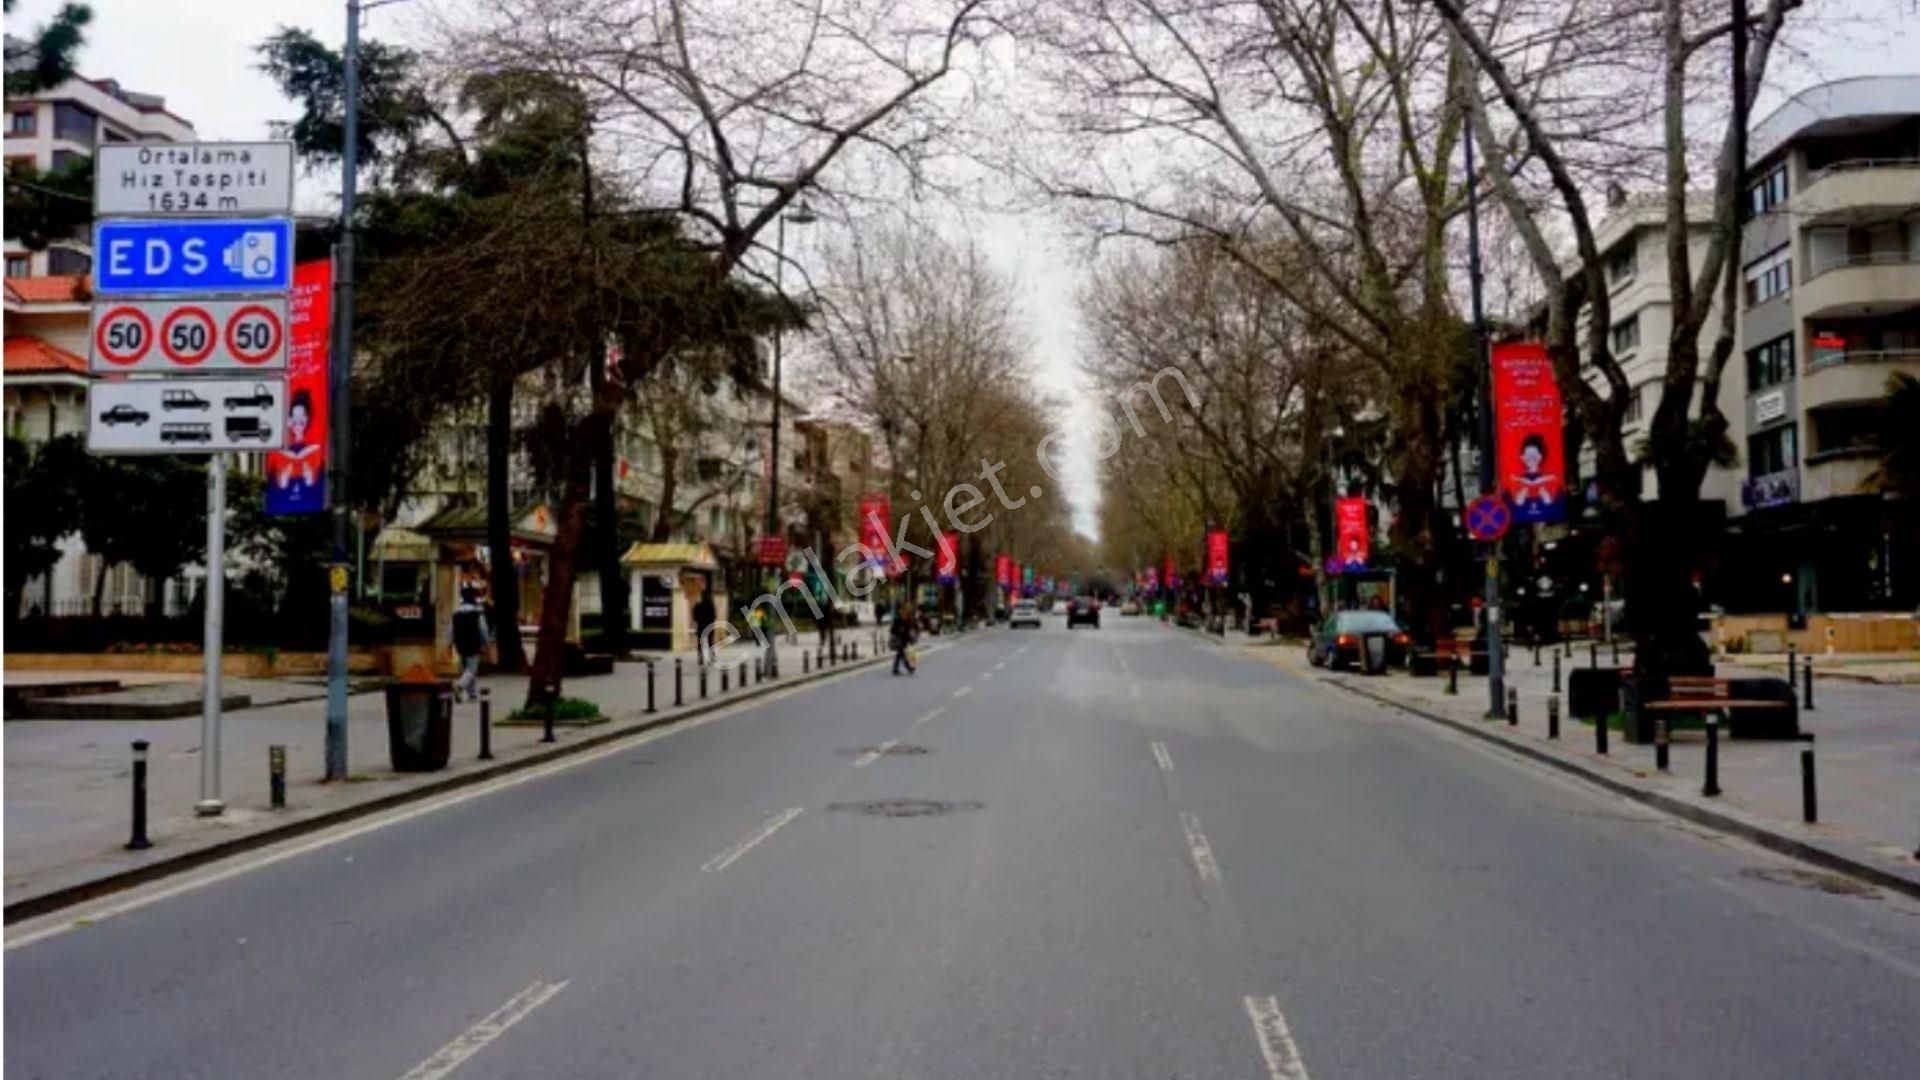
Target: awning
column 690, row 555
column 395, row 544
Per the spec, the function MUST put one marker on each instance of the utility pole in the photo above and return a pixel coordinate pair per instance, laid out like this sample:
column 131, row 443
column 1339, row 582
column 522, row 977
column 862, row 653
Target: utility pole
column 1483, row 368
column 210, row 804
column 338, row 404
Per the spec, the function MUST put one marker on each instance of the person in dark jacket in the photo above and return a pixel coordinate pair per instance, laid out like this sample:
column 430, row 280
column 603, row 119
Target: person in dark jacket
column 703, row 617
column 902, row 635
column 470, row 637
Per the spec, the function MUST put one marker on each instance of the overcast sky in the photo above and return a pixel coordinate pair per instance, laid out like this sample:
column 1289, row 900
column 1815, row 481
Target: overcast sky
column 199, row 55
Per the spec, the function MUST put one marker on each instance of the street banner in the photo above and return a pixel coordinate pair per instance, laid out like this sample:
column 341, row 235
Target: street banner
column 297, row 474
column 1026, row 574
column 947, row 564
column 773, row 551
column 1166, row 571
column 1217, row 557
column 1350, row 531
column 1002, row 570
column 1527, row 418
column 876, row 509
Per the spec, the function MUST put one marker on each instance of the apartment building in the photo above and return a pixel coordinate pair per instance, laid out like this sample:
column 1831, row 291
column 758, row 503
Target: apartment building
column 1830, row 307
column 59, row 128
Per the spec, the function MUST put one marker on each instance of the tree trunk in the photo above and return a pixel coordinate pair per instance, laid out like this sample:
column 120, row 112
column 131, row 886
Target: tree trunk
column 100, row 586
column 1414, row 528
column 669, row 491
column 502, row 575
column 546, row 675
column 606, row 538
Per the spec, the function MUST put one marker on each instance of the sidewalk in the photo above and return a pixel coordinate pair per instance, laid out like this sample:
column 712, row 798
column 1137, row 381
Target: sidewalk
column 1895, row 669
column 68, row 782
column 1867, row 754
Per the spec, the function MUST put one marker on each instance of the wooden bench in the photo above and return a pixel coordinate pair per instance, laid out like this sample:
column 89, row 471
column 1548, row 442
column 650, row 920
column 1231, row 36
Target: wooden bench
column 1770, row 702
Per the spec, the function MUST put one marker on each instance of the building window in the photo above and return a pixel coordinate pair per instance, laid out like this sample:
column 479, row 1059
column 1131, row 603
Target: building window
column 1771, row 364
column 68, row 261
column 1769, row 192
column 19, row 265
column 73, row 123
column 1621, row 265
column 20, row 122
column 1769, row 276
column 1772, row 451
column 1626, row 335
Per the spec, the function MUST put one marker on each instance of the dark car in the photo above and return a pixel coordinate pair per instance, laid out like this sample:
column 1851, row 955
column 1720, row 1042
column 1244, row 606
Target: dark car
column 1367, row 639
column 124, row 414
column 1083, row 610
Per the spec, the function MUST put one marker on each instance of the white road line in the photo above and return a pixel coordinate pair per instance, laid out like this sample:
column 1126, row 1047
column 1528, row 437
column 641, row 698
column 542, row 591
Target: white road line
column 963, row 691
column 929, row 715
column 986, row 676
column 1197, row 846
column 767, row 828
column 875, row 754
column 999, row 665
column 492, row 1026
column 1161, row 757
column 1276, row 1042
column 1134, row 688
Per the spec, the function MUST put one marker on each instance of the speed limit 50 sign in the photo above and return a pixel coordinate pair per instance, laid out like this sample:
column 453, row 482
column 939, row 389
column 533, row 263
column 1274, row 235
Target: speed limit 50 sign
column 155, row 336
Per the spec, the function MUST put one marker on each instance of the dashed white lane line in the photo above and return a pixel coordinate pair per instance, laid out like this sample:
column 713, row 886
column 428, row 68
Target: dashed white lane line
column 1134, row 689
column 490, row 1027
column 999, row 665
column 1161, row 757
column 767, row 828
column 929, row 715
column 1276, row 1042
column 963, row 691
column 1197, row 846
column 875, row 754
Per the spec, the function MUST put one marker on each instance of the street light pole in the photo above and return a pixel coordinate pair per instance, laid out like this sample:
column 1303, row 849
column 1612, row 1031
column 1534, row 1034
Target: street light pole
column 801, row 214
column 1482, row 365
column 338, row 404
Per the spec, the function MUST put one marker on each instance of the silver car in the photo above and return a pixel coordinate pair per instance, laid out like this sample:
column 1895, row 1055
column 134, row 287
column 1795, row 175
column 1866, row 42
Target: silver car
column 1025, row 613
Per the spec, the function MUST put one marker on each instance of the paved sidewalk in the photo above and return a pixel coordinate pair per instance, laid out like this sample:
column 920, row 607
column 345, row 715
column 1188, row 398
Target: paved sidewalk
column 1867, row 753
column 68, row 782
column 1899, row 669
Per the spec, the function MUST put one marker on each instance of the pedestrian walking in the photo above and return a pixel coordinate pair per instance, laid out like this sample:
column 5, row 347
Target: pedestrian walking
column 902, row 636
column 470, row 638
column 703, row 617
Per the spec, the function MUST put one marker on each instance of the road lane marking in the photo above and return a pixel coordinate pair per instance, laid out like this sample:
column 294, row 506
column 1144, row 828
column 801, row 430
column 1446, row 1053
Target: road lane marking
column 1134, row 688
column 1161, row 757
column 1276, row 1042
column 963, row 691
column 875, row 754
column 929, row 715
column 1197, row 846
column 767, row 828
column 491, row 1026
column 999, row 665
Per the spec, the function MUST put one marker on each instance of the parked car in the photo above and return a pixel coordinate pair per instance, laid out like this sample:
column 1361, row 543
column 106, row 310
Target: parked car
column 1367, row 639
column 1131, row 607
column 1083, row 610
column 1025, row 613
column 124, row 414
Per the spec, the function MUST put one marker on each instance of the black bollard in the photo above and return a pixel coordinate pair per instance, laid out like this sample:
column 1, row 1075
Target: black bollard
column 139, row 841
column 1536, row 652
column 678, row 671
column 806, row 665
column 1793, row 655
column 743, row 674
column 486, row 724
column 277, row 777
column 1806, row 673
column 1661, row 740
column 1616, row 651
column 1453, row 673
column 1553, row 717
column 650, row 686
column 1556, row 671
column 1809, row 799
column 723, row 680
column 1600, row 734
column 1712, row 786
column 1593, row 654
column 1513, row 706
column 703, row 682
column 546, row 726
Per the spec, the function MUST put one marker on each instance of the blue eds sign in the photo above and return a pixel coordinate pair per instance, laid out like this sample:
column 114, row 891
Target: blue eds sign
column 172, row 257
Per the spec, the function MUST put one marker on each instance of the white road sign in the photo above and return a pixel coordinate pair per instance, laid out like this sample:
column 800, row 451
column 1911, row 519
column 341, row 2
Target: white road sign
column 186, row 416
column 192, row 179
column 187, row 336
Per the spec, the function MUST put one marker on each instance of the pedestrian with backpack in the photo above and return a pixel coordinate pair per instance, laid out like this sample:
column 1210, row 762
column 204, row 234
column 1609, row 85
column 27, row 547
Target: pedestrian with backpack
column 470, row 638
column 901, row 635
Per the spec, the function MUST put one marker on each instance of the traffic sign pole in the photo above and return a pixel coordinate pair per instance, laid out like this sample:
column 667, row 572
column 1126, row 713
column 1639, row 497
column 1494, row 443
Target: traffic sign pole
column 338, row 404
column 1482, row 363
column 210, row 804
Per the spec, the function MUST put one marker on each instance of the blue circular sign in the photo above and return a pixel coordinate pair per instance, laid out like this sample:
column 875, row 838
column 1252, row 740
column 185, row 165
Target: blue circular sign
column 1488, row 518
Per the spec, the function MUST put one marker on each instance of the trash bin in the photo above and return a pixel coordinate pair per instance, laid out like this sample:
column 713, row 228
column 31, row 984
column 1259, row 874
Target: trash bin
column 419, row 725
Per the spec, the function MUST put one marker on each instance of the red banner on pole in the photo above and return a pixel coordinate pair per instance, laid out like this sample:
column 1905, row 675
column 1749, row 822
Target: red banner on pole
column 876, row 508
column 947, row 566
column 1527, row 419
column 1166, row 570
column 1350, row 531
column 773, row 551
column 1217, row 557
column 297, row 475
column 1003, row 569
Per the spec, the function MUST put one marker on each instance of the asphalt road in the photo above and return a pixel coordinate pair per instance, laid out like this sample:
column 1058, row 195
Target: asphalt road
column 1123, row 852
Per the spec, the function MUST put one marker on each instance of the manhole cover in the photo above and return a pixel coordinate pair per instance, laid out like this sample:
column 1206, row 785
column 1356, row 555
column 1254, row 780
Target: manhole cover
column 1809, row 879
column 890, row 750
column 908, row 807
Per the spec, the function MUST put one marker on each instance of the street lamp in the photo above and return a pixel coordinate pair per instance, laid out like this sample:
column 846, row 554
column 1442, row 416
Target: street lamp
column 800, row 214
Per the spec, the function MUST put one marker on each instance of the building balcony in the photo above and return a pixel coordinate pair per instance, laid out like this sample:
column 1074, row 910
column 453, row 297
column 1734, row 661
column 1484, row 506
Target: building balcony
column 1855, row 192
column 1838, row 475
column 1861, row 285
column 1853, row 375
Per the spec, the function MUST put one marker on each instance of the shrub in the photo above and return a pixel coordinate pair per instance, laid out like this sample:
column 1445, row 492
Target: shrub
column 565, row 708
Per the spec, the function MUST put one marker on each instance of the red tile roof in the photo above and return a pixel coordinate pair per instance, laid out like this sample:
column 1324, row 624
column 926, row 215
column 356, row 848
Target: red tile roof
column 54, row 289
column 29, row 355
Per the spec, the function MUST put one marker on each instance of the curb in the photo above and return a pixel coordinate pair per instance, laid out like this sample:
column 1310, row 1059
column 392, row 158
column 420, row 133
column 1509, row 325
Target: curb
column 1770, row 839
column 33, row 907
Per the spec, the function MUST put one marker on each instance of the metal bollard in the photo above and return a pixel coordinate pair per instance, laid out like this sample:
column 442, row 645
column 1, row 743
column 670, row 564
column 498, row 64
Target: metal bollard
column 723, row 680
column 1553, row 717
column 1806, row 673
column 773, row 663
column 650, row 707
column 743, row 674
column 277, row 777
column 1593, row 654
column 486, row 724
column 1556, row 671
column 1536, row 652
column 1712, row 786
column 1793, row 656
column 1513, row 706
column 1600, row 734
column 1616, row 651
column 139, row 841
column 703, row 682
column 1809, row 798
column 806, row 666
column 678, row 670
column 1453, row 674
column 1662, row 738
column 546, row 727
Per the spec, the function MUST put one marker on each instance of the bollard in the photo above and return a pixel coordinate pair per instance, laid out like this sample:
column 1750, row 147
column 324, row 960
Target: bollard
column 546, row 727
column 703, row 682
column 139, row 841
column 650, row 686
column 773, row 663
column 1809, row 799
column 806, row 667
column 1600, row 734
column 1536, row 652
column 743, row 674
column 486, row 724
column 1593, row 654
column 1453, row 673
column 1661, row 739
column 678, row 670
column 1793, row 655
column 724, row 672
column 1553, row 717
column 1556, row 671
column 1513, row 706
column 1806, row 673
column 1616, row 652
column 759, row 670
column 277, row 777
column 1712, row 786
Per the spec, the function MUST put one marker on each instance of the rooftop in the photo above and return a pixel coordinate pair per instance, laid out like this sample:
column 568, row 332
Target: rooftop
column 29, row 355
column 51, row 289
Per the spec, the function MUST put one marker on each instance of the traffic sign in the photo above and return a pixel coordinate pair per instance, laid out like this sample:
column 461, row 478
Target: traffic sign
column 1488, row 517
column 186, row 416
column 184, row 336
column 192, row 179
column 164, row 258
